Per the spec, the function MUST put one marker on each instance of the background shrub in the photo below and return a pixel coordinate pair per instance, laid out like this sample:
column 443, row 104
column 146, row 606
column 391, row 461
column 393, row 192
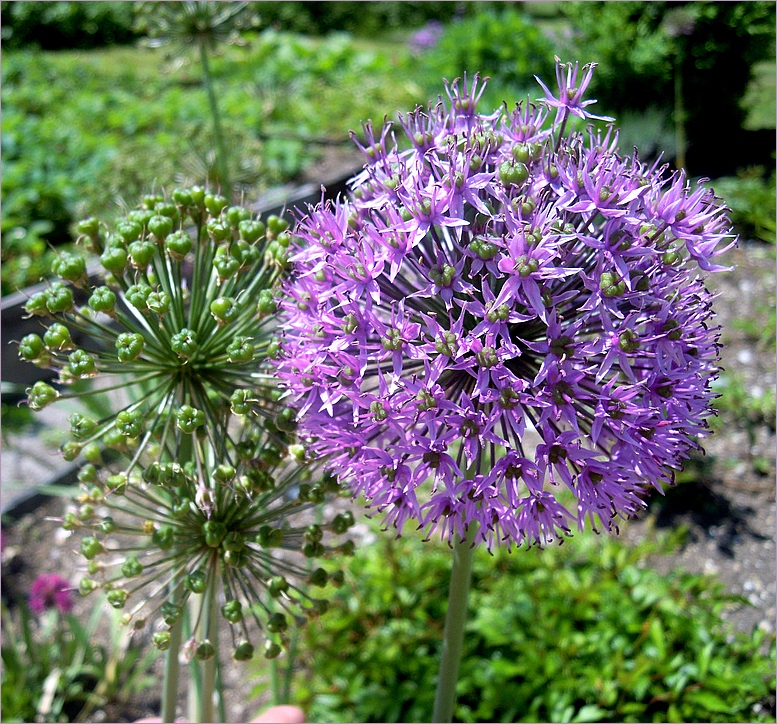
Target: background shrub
column 583, row 632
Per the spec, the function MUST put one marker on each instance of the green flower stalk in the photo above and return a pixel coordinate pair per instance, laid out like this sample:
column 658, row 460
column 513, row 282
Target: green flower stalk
column 208, row 502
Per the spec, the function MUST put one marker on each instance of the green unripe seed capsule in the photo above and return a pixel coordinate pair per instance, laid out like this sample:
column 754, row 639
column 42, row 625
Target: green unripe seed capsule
column 269, row 537
column 243, row 652
column 91, row 547
column 70, row 450
column 267, row 304
column 36, row 305
column 129, row 346
column 70, row 522
column 286, row 420
column 81, row 427
column 180, row 510
column 31, row 347
column 271, row 650
column 214, row 531
column 171, row 613
column 81, row 363
column 163, row 537
column 184, row 343
column 102, row 300
column 91, row 453
column 225, row 310
column 117, row 483
column 160, row 226
column 214, row 203
column 107, row 526
column 89, row 226
column 319, row 578
column 40, row 395
column 205, row 651
column 130, row 423
column 70, row 267
column 129, row 230
column 170, row 210
column 241, row 402
column 131, row 567
column 189, row 419
column 57, row 336
column 178, row 244
column 141, row 253
column 232, row 611
column 196, row 582
column 224, row 473
column 251, row 231
column 183, row 197
column 161, row 640
column 236, row 214
column 277, row 623
column 240, row 350
column 277, row 586
column 88, row 473
column 513, row 173
column 276, row 225
column 86, row 586
column 114, row 260
column 313, row 550
column 159, row 302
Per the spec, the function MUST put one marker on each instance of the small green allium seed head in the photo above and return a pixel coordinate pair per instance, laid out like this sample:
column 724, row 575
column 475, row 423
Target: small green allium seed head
column 161, row 640
column 189, row 419
column 171, row 613
column 244, row 651
column 129, row 346
column 232, row 611
column 40, row 395
column 31, row 347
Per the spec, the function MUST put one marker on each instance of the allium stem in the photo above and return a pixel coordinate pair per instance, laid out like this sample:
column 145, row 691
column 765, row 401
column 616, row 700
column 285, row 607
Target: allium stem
column 172, row 667
column 214, row 109
column 210, row 626
column 455, row 618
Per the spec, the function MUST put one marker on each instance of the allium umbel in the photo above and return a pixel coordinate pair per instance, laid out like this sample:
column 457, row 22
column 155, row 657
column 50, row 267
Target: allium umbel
column 208, row 497
column 499, row 275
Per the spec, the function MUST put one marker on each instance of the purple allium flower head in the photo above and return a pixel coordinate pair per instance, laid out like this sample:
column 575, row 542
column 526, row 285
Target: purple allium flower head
column 51, row 591
column 504, row 324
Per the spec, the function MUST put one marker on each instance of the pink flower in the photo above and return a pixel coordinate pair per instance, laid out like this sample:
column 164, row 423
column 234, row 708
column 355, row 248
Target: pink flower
column 51, row 591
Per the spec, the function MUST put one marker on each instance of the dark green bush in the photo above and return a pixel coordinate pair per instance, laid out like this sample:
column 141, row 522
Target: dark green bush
column 360, row 18
column 503, row 44
column 58, row 25
column 637, row 45
column 751, row 199
column 581, row 632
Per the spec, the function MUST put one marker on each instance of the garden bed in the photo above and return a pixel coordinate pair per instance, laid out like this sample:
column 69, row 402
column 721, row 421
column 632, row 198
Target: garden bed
column 726, row 500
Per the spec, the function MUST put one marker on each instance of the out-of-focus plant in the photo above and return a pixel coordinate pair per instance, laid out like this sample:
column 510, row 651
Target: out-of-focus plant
column 504, row 45
column 751, row 198
column 60, row 25
column 52, row 668
column 715, row 45
column 203, row 26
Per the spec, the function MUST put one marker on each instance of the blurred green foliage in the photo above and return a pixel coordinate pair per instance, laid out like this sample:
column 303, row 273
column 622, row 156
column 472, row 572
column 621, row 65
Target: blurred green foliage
column 82, row 131
column 583, row 632
column 636, row 45
column 751, row 198
column 502, row 44
column 54, row 671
